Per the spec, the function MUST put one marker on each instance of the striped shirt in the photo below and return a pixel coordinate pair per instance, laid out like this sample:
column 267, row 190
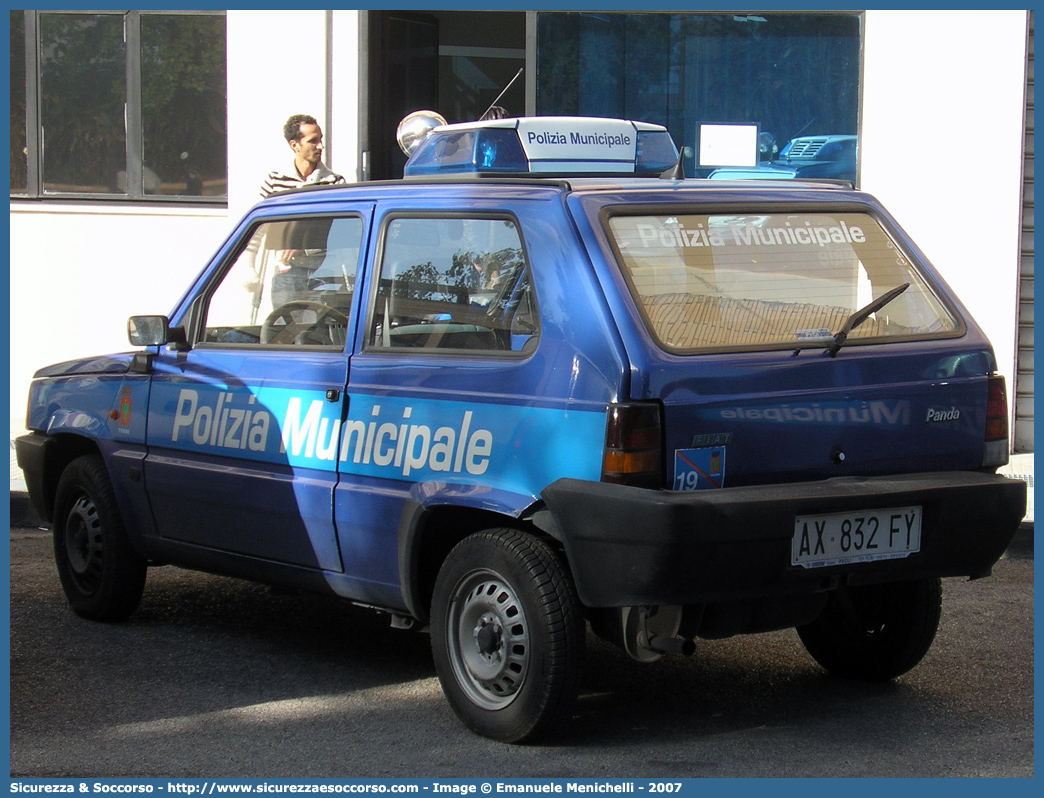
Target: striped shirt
column 283, row 180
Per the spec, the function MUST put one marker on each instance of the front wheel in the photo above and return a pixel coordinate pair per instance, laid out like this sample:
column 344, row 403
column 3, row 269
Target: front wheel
column 875, row 632
column 102, row 575
column 507, row 635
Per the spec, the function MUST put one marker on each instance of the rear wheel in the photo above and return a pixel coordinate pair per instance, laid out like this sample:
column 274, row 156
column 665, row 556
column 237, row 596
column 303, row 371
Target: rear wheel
column 102, row 575
column 875, row 632
column 507, row 635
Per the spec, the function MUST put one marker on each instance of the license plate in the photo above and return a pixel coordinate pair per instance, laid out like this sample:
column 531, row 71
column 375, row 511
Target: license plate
column 859, row 536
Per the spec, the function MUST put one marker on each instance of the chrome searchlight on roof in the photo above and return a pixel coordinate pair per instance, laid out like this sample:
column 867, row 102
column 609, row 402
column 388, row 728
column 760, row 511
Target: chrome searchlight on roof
column 546, row 145
column 414, row 127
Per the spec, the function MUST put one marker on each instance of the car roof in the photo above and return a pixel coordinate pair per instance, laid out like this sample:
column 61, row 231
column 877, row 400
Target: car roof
column 765, row 189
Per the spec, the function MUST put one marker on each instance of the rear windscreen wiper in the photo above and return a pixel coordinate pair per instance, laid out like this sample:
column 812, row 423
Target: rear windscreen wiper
column 862, row 315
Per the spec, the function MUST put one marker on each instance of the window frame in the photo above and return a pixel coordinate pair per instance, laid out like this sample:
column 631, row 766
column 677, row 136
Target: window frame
column 133, row 115
column 199, row 310
column 369, row 347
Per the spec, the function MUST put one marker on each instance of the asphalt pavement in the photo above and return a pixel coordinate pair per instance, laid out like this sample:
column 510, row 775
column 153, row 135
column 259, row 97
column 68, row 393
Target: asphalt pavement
column 215, row 677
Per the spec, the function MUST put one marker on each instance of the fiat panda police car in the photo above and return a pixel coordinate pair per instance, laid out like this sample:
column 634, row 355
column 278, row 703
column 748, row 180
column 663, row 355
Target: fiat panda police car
column 543, row 382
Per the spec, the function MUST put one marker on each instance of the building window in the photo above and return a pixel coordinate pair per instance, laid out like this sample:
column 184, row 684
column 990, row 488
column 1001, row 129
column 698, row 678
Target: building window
column 790, row 74
column 18, row 150
column 118, row 105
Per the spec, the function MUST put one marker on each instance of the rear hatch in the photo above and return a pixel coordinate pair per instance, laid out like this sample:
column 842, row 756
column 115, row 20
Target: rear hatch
column 790, row 335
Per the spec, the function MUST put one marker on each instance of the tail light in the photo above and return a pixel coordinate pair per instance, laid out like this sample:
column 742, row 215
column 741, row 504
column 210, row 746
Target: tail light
column 634, row 445
column 995, row 447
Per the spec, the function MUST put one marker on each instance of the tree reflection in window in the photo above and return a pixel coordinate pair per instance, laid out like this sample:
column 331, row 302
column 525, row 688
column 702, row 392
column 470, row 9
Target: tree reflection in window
column 457, row 295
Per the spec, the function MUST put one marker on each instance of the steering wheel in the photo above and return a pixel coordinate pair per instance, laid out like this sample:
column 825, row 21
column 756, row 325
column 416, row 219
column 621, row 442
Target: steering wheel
column 292, row 331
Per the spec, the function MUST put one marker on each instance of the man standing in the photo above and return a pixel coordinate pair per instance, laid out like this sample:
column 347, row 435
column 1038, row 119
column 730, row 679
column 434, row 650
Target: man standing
column 305, row 138
column 295, row 265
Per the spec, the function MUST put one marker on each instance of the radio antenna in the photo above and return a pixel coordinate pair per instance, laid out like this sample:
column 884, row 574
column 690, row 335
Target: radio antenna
column 493, row 104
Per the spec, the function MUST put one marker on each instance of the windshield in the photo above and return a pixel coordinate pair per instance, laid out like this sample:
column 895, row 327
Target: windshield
column 712, row 282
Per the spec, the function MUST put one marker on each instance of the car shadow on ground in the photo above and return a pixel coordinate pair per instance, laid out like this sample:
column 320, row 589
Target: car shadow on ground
column 214, row 654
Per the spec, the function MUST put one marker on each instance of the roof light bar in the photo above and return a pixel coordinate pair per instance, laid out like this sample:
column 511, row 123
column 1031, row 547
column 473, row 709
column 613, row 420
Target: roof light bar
column 545, row 145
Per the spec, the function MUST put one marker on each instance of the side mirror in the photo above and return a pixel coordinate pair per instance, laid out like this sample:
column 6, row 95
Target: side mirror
column 148, row 330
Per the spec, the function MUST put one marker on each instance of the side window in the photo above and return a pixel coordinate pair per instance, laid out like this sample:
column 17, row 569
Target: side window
column 454, row 284
column 290, row 286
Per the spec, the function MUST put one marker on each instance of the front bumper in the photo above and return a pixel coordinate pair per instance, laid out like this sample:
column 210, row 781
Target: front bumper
column 31, row 453
column 631, row 546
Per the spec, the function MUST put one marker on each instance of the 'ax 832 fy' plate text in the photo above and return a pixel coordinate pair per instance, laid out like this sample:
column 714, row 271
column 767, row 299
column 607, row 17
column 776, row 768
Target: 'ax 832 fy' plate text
column 860, row 536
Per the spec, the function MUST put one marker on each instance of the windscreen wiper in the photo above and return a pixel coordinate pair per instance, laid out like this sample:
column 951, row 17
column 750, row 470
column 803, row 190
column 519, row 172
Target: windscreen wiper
column 862, row 315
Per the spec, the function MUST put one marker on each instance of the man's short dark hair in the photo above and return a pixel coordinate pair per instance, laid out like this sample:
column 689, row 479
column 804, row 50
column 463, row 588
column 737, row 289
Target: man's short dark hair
column 292, row 128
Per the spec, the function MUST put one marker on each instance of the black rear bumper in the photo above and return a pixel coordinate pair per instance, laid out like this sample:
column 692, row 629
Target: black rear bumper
column 631, row 546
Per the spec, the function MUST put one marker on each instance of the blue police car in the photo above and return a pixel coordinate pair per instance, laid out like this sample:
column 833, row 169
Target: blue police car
column 540, row 384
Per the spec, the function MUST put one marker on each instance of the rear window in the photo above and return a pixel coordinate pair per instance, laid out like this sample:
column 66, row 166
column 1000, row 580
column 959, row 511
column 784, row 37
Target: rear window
column 787, row 280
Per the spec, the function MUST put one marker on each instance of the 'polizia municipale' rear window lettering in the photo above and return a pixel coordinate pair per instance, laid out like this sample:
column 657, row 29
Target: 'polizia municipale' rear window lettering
column 771, row 281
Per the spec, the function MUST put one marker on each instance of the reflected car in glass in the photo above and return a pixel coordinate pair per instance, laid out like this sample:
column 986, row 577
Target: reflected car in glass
column 806, row 157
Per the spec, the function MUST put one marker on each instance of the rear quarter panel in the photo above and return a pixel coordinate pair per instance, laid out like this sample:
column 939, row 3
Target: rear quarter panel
column 791, row 415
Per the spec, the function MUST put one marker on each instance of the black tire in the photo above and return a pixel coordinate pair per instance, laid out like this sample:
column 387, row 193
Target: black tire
column 507, row 635
column 102, row 575
column 875, row 632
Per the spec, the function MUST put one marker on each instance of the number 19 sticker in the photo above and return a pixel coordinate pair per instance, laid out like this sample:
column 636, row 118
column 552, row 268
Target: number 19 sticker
column 699, row 469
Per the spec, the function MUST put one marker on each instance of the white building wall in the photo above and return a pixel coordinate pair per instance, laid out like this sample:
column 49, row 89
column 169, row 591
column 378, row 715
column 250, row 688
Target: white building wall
column 267, row 85
column 941, row 146
column 79, row 271
column 345, row 94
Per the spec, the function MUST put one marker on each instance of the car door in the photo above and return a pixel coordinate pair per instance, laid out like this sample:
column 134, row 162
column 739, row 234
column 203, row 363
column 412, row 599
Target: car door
column 245, row 417
column 454, row 398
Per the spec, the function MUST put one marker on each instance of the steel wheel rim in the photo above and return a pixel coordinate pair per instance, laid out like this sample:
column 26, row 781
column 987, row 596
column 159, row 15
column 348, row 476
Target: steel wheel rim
column 489, row 648
column 83, row 544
